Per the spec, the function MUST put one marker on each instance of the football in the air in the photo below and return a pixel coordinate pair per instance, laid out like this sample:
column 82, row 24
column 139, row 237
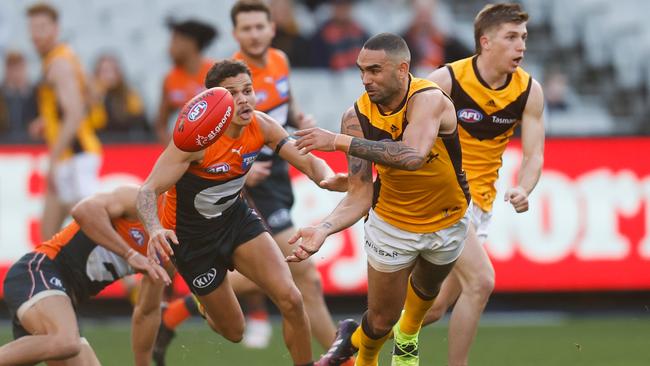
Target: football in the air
column 203, row 119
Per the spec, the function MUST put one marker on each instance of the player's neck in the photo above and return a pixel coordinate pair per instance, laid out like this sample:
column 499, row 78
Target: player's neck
column 192, row 64
column 234, row 131
column 257, row 61
column 493, row 77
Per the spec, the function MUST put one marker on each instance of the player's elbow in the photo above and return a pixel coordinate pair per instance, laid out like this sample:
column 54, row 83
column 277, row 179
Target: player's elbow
column 415, row 163
column 81, row 211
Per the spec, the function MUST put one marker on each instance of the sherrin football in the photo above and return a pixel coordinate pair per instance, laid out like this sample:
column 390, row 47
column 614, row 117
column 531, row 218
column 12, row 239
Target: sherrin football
column 203, row 119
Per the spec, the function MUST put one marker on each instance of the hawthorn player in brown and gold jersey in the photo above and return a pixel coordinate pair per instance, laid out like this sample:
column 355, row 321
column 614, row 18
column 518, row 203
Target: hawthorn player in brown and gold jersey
column 74, row 149
column 492, row 95
column 416, row 212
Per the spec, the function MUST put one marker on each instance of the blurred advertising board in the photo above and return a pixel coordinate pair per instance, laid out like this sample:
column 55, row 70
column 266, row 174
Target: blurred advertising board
column 588, row 228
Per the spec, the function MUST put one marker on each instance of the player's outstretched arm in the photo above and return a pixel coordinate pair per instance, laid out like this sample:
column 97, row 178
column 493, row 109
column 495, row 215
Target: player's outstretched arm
column 169, row 168
column 352, row 207
column 146, row 318
column 424, row 113
column 532, row 137
column 94, row 215
column 313, row 167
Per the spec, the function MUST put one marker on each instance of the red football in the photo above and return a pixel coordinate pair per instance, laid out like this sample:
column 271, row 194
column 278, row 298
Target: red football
column 203, row 119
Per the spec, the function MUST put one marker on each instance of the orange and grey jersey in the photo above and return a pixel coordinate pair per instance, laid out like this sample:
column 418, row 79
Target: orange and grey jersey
column 49, row 106
column 87, row 266
column 214, row 184
column 271, row 85
column 487, row 119
column 429, row 199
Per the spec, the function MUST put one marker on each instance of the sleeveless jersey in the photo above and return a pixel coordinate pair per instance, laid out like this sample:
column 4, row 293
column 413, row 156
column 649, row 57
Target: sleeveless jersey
column 426, row 200
column 271, row 85
column 211, row 186
column 50, row 109
column 487, row 119
column 89, row 267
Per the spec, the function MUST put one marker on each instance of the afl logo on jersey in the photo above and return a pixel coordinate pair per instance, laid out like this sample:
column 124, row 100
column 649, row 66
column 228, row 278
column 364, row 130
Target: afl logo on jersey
column 205, row 279
column 469, row 115
column 197, row 111
column 137, row 235
column 220, row 168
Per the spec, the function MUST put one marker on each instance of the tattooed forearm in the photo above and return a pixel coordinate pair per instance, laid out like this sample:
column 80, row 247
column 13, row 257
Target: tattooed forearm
column 390, row 153
column 146, row 204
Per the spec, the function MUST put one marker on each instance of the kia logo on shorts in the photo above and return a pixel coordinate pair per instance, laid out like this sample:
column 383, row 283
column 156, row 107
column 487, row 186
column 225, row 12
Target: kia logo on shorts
column 203, row 280
column 197, row 110
column 469, row 115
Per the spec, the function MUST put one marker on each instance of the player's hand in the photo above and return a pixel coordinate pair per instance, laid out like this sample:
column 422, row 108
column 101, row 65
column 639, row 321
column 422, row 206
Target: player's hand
column 305, row 121
column 518, row 198
column 315, row 139
column 259, row 171
column 337, row 182
column 311, row 239
column 141, row 264
column 159, row 246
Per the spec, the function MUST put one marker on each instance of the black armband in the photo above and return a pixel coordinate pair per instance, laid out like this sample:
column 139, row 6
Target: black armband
column 281, row 143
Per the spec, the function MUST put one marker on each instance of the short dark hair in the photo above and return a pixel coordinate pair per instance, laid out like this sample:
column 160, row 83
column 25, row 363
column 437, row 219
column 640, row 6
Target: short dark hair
column 223, row 70
column 202, row 33
column 393, row 44
column 493, row 15
column 44, row 9
column 245, row 6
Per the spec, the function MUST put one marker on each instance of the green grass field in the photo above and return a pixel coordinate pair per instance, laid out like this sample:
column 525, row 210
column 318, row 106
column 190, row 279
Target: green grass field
column 611, row 341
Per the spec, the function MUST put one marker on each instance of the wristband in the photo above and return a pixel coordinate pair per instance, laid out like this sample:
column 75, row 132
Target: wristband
column 130, row 254
column 342, row 142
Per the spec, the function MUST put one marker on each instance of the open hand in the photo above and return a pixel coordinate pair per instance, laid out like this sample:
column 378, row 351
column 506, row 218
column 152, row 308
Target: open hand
column 315, row 139
column 159, row 247
column 311, row 239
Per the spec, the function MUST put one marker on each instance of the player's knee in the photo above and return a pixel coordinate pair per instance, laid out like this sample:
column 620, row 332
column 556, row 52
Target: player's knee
column 482, row 286
column 309, row 282
column 290, row 301
column 382, row 323
column 234, row 334
column 65, row 346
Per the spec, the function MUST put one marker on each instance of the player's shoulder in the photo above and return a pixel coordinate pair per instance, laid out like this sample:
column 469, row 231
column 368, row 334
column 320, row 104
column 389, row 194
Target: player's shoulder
column 442, row 77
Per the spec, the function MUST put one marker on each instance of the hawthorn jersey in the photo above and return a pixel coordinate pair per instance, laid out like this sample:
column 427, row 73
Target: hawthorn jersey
column 211, row 186
column 487, row 119
column 89, row 267
column 50, row 111
column 429, row 199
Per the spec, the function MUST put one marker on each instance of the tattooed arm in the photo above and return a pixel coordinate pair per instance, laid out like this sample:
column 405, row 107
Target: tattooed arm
column 352, row 207
column 424, row 114
column 169, row 168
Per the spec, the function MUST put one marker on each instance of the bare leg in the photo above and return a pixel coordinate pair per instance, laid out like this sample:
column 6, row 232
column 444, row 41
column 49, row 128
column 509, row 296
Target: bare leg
column 223, row 312
column 55, row 332
column 54, row 212
column 473, row 279
column 86, row 357
column 260, row 260
column 308, row 280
